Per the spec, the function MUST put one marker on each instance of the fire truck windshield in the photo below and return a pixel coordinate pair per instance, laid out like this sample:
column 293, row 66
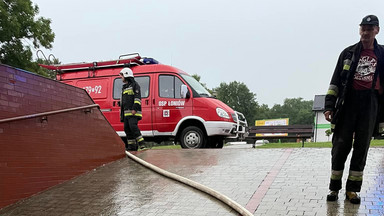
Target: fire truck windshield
column 195, row 85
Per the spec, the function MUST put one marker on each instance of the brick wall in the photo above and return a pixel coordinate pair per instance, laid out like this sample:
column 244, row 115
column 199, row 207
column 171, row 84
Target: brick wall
column 36, row 154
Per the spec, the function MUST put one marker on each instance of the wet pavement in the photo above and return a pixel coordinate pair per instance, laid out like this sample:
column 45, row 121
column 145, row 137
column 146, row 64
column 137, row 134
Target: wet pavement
column 265, row 181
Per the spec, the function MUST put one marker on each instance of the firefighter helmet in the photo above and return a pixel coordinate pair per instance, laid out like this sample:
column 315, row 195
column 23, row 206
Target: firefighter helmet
column 126, row 72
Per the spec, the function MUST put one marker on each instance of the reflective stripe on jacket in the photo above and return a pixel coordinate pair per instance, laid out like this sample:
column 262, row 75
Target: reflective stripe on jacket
column 130, row 100
column 342, row 79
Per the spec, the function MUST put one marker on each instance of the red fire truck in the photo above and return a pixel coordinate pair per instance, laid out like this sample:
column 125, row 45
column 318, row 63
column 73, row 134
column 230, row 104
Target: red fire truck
column 174, row 105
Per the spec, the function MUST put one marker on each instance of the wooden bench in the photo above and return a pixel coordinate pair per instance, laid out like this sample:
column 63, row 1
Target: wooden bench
column 272, row 132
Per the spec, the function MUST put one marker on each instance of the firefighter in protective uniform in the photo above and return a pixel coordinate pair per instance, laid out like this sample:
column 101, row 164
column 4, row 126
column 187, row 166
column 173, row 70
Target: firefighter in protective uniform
column 130, row 110
column 353, row 105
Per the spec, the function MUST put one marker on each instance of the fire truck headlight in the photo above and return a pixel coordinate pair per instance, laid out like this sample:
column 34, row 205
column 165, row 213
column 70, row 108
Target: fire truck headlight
column 222, row 113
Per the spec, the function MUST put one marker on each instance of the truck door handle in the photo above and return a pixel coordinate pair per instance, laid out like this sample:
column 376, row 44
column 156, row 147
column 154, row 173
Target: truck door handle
column 146, row 102
column 153, row 101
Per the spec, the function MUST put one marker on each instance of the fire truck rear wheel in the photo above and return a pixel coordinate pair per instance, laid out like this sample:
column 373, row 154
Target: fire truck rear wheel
column 192, row 137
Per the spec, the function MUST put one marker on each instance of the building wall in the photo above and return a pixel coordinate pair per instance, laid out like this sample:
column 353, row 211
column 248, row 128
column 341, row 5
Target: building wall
column 38, row 153
column 321, row 125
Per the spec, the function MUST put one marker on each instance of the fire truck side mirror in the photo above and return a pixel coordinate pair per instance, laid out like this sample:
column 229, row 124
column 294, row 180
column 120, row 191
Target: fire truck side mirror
column 184, row 91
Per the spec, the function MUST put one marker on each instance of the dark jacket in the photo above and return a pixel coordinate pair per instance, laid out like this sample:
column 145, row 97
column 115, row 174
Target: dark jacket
column 130, row 100
column 342, row 79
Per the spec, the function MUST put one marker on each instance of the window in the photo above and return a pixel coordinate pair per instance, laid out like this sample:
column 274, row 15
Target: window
column 196, row 86
column 143, row 82
column 169, row 86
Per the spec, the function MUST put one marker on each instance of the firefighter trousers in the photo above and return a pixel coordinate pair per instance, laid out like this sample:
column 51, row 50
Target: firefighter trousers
column 134, row 137
column 354, row 129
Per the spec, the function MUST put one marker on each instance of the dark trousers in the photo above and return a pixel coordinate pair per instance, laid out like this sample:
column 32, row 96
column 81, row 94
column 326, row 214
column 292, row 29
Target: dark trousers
column 354, row 129
column 133, row 133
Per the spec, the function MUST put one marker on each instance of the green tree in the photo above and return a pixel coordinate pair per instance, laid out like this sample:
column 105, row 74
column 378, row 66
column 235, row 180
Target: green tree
column 35, row 67
column 19, row 27
column 262, row 112
column 238, row 97
column 197, row 77
column 328, row 133
column 297, row 110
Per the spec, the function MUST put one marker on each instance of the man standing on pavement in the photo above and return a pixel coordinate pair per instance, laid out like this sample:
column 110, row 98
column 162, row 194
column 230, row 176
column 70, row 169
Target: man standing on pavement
column 130, row 110
column 352, row 106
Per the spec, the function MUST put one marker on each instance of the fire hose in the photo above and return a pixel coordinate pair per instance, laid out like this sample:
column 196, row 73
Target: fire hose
column 234, row 205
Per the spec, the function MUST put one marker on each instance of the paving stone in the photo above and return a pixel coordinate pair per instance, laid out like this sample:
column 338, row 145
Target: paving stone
column 271, row 181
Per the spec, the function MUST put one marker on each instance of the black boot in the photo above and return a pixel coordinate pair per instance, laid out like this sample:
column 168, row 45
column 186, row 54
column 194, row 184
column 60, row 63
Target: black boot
column 142, row 145
column 132, row 147
column 353, row 197
column 333, row 196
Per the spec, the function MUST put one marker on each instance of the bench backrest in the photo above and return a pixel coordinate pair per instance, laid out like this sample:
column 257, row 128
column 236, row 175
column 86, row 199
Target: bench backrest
column 291, row 130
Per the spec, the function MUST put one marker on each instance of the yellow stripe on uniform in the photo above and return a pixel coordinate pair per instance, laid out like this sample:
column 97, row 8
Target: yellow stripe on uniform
column 336, row 174
column 336, row 177
column 138, row 101
column 139, row 138
column 129, row 142
column 346, row 67
column 355, row 178
column 129, row 92
column 130, row 114
column 332, row 92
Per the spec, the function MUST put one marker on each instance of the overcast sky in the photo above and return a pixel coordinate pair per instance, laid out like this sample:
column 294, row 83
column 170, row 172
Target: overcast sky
column 279, row 49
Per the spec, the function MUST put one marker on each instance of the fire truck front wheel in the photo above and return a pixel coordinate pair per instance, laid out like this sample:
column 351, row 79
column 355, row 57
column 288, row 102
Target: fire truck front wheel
column 192, row 137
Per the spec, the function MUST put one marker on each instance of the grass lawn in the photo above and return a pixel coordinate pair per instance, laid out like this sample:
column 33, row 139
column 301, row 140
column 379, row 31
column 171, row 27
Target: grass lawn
column 167, row 147
column 374, row 143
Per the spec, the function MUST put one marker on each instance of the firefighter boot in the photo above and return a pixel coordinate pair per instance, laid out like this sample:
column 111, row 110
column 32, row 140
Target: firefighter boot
column 140, row 142
column 142, row 145
column 333, row 196
column 131, row 145
column 353, row 197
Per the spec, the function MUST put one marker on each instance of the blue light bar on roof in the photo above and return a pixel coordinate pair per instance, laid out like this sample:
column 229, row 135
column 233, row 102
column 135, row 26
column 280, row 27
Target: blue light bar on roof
column 150, row 61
